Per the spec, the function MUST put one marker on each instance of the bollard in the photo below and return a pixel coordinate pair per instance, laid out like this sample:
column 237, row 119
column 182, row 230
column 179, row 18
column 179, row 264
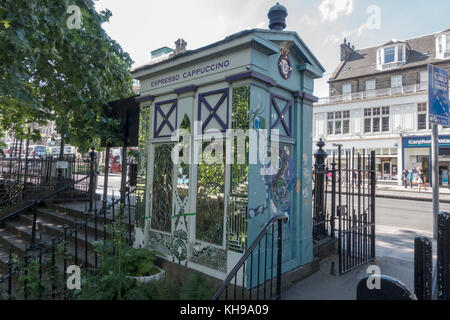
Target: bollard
column 423, row 268
column 391, row 289
column 443, row 256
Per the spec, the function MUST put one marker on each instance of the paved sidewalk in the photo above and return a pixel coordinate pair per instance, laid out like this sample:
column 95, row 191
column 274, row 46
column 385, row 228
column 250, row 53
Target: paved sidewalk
column 394, row 256
column 400, row 192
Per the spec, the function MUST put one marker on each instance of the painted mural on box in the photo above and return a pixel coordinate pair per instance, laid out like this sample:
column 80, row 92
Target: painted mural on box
column 282, row 183
column 209, row 256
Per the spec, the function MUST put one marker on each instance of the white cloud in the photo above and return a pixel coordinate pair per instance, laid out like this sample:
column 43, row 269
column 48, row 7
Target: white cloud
column 331, row 10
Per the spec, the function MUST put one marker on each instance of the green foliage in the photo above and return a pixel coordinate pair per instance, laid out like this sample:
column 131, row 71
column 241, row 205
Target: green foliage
column 39, row 287
column 196, row 288
column 112, row 280
column 51, row 72
column 140, row 262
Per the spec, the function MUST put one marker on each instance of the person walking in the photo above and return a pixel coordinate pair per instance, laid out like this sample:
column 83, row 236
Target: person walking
column 421, row 180
column 405, row 178
column 410, row 178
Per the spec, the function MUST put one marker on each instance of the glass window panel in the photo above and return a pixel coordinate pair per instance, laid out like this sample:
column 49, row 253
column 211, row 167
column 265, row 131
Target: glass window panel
column 376, row 125
column 367, row 112
column 210, row 202
column 396, row 81
column 400, row 53
column 370, row 84
column 394, row 151
column 330, row 115
column 346, row 88
column 385, row 124
column 330, row 129
column 338, row 115
column 346, row 114
column 422, row 121
column 389, row 55
column 338, row 127
column 346, row 127
column 367, row 125
column 162, row 189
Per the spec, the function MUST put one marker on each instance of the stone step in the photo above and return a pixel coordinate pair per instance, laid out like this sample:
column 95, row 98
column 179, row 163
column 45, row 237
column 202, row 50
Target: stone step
column 78, row 214
column 47, row 229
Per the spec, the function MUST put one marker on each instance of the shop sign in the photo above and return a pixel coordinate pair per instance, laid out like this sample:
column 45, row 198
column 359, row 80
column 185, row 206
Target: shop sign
column 415, row 142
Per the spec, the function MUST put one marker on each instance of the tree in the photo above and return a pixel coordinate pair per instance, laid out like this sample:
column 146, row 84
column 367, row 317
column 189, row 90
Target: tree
column 51, row 71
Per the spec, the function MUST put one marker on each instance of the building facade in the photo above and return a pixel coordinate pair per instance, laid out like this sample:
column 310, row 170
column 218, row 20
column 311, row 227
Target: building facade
column 202, row 215
column 378, row 100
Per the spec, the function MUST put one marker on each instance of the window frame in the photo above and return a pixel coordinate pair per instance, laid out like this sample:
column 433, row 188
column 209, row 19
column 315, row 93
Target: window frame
column 397, row 76
column 376, row 118
column 388, row 55
column 422, row 110
column 337, row 121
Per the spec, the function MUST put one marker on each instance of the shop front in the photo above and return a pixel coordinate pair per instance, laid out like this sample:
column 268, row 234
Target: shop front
column 417, row 156
column 386, row 151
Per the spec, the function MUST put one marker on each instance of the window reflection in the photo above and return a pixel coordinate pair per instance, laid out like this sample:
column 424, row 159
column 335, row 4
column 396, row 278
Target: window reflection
column 162, row 188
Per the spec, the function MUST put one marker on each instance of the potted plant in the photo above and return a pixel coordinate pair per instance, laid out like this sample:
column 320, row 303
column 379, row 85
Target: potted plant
column 139, row 264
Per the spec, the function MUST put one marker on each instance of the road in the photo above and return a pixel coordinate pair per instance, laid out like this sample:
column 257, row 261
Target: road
column 406, row 214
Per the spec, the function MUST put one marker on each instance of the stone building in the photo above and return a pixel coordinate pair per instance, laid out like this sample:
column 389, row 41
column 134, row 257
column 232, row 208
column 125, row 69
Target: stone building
column 378, row 101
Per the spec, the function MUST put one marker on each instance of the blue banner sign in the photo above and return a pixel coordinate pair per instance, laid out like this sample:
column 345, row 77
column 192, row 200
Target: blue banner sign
column 420, row 142
column 438, row 95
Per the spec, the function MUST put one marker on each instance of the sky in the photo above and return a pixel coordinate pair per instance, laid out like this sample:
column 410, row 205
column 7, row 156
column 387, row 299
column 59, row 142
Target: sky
column 141, row 26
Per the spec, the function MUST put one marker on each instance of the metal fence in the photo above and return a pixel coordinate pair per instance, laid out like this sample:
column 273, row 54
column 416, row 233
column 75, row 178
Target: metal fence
column 344, row 205
column 25, row 179
column 257, row 275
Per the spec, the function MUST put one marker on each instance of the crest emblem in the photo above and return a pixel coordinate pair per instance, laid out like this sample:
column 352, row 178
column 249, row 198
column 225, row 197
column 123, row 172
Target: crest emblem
column 284, row 64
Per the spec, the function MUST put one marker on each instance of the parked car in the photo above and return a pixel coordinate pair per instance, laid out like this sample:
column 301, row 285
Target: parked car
column 37, row 151
column 68, row 151
column 14, row 150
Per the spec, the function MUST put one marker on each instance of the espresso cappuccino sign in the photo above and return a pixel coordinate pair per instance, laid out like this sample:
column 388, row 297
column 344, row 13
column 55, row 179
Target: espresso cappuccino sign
column 189, row 74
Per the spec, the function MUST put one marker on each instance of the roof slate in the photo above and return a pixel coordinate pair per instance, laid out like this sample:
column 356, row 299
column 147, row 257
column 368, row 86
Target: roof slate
column 363, row 62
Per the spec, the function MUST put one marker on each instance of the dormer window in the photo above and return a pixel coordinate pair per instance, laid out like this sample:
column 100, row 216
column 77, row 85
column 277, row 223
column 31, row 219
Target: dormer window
column 391, row 55
column 443, row 46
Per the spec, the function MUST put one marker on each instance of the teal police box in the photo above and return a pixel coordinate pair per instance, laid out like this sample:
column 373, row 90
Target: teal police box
column 205, row 215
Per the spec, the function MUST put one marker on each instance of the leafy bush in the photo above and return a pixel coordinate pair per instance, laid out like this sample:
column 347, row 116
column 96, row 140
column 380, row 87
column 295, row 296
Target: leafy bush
column 140, row 262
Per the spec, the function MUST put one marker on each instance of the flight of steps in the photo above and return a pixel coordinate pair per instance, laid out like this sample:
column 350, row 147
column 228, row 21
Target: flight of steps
column 15, row 234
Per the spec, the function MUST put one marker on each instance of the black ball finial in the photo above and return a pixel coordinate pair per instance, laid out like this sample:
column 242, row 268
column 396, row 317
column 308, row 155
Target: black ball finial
column 277, row 17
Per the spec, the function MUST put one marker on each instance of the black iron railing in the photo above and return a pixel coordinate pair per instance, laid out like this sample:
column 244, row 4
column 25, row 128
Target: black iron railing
column 82, row 253
column 27, row 178
column 344, row 205
column 257, row 286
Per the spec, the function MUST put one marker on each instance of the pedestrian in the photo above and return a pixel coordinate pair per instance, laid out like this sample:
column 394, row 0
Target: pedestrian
column 421, row 180
column 405, row 178
column 410, row 178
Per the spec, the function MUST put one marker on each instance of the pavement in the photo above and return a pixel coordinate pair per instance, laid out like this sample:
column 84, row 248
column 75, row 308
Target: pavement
column 398, row 223
column 400, row 192
column 394, row 257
